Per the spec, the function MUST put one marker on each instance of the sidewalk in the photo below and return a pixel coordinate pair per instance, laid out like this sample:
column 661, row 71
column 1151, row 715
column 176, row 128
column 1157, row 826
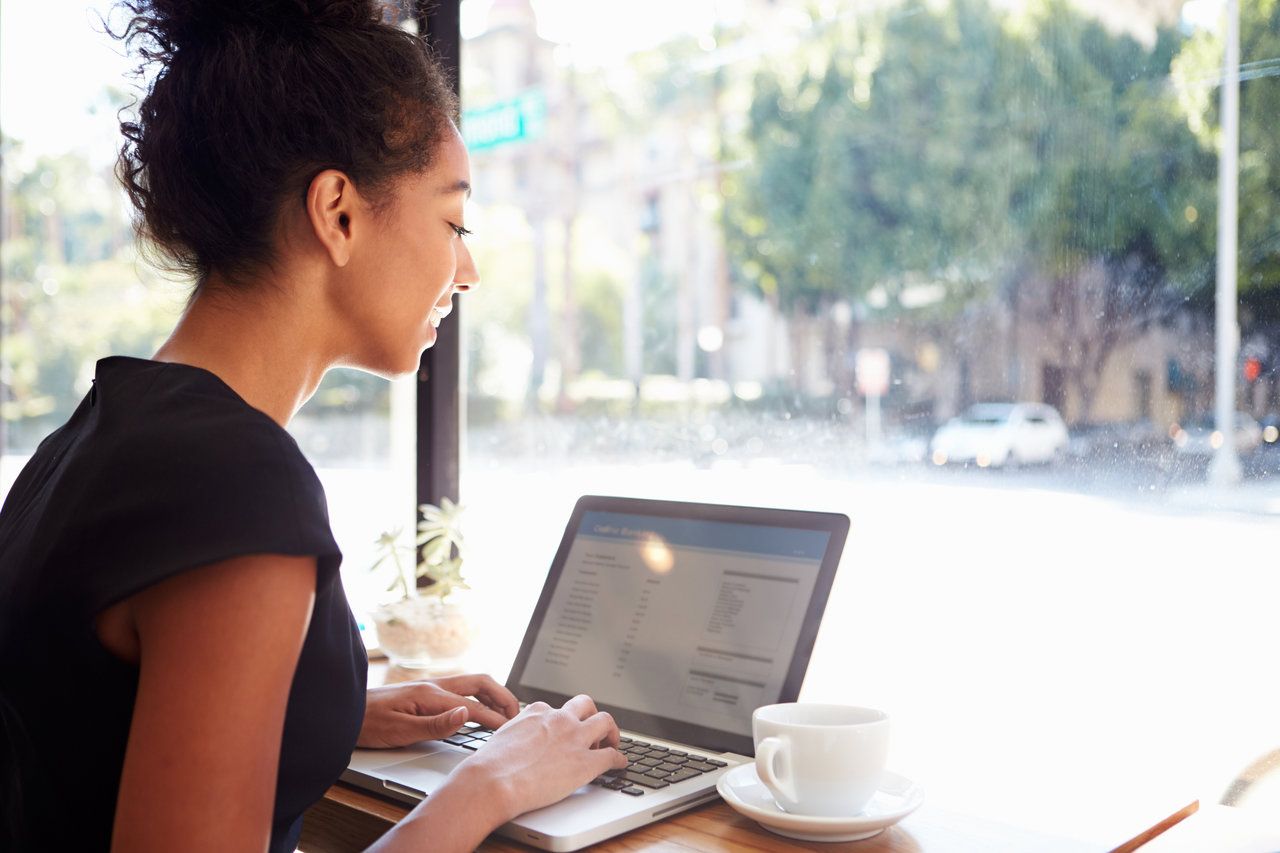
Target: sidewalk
column 1259, row 497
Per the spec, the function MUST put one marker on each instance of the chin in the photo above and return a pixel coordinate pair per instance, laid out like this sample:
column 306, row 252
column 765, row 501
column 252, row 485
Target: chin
column 378, row 370
column 391, row 365
column 411, row 363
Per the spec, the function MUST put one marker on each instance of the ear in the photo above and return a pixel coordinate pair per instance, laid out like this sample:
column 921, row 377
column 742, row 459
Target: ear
column 332, row 206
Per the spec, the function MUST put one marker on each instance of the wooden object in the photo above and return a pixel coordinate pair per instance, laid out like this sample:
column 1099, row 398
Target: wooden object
column 349, row 819
column 1146, row 835
column 1221, row 829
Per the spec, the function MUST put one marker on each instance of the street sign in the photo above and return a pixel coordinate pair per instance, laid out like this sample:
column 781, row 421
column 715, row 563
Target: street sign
column 519, row 119
column 871, row 369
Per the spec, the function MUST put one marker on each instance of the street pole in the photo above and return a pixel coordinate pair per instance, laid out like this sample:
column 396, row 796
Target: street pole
column 873, row 422
column 1225, row 469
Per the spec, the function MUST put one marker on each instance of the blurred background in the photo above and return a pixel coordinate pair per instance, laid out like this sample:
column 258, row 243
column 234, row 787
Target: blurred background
column 947, row 266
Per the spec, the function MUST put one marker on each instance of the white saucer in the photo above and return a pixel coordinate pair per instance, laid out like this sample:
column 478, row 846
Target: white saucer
column 747, row 795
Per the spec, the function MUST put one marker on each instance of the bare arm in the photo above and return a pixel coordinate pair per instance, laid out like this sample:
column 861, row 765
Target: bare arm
column 534, row 760
column 217, row 649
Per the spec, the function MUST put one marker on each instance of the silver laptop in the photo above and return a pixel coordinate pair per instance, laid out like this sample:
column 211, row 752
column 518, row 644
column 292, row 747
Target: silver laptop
column 679, row 619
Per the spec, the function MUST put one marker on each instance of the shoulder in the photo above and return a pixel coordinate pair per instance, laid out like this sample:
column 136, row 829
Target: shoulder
column 175, row 471
column 170, row 422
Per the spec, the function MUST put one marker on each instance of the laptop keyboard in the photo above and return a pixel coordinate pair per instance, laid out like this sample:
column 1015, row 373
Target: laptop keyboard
column 650, row 767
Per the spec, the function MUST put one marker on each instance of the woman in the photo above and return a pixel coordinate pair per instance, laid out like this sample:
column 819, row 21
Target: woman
column 178, row 663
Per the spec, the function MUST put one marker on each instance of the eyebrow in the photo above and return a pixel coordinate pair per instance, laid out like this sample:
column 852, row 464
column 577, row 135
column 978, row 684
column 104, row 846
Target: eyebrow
column 458, row 187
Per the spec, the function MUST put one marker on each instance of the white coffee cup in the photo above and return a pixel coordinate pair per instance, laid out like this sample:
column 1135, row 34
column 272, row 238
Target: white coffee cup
column 822, row 760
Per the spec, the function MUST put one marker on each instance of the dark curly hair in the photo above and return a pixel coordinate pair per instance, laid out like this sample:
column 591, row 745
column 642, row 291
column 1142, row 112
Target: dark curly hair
column 248, row 101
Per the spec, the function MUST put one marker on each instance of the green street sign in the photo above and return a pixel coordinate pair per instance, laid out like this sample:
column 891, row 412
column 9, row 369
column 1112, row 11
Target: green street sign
column 517, row 120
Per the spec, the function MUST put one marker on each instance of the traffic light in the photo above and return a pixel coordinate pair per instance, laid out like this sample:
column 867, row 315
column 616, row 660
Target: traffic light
column 1252, row 368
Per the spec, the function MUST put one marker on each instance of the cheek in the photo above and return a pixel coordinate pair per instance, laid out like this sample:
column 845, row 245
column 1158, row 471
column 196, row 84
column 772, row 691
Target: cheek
column 435, row 271
column 379, row 300
column 407, row 274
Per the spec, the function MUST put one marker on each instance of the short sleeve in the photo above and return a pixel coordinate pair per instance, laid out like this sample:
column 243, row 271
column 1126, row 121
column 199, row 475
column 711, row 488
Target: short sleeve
column 206, row 487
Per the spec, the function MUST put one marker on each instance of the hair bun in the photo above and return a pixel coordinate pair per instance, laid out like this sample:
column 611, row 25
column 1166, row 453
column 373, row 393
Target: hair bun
column 176, row 24
column 249, row 100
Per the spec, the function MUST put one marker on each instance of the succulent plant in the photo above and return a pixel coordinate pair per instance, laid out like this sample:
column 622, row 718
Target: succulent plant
column 439, row 550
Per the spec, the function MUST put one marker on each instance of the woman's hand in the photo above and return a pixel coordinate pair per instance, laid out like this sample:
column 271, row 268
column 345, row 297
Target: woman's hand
column 536, row 759
column 401, row 714
column 544, row 754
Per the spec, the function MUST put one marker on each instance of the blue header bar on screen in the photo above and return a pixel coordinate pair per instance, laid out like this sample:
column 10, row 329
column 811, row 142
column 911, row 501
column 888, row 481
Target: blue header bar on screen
column 716, row 535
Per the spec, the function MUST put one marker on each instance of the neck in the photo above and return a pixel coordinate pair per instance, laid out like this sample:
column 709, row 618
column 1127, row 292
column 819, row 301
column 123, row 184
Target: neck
column 264, row 348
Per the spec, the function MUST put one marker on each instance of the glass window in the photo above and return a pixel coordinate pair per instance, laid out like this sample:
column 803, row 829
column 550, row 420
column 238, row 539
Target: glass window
column 706, row 229
column 807, row 254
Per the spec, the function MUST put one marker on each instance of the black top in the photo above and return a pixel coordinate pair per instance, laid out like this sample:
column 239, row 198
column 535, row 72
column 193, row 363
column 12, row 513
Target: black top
column 161, row 469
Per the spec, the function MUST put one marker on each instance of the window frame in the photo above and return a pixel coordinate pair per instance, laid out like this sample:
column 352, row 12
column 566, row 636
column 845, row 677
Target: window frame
column 439, row 415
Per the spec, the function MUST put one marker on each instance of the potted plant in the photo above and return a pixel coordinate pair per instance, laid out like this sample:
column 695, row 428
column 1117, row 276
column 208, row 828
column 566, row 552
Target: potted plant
column 422, row 627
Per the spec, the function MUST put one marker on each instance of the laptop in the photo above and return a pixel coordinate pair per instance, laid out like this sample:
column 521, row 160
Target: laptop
column 679, row 619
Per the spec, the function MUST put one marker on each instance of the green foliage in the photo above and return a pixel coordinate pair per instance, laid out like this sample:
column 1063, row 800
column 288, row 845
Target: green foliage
column 1200, row 72
column 871, row 176
column 439, row 545
column 440, row 548
column 75, row 290
column 1119, row 168
column 600, row 298
column 659, row 295
column 971, row 150
column 977, row 140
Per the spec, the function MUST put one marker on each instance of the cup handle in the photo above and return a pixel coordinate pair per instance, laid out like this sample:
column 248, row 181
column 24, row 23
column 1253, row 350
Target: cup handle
column 766, row 753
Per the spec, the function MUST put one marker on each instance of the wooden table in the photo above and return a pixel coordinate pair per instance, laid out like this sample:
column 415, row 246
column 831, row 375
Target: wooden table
column 349, row 819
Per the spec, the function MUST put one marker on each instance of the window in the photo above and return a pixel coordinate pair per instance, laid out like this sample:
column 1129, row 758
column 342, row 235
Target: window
column 691, row 218
column 728, row 202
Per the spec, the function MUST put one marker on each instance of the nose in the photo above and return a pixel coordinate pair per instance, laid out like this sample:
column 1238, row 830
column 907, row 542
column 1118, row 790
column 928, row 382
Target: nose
column 466, row 274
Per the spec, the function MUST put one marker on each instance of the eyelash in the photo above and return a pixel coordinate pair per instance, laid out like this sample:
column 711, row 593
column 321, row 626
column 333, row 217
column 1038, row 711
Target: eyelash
column 459, row 230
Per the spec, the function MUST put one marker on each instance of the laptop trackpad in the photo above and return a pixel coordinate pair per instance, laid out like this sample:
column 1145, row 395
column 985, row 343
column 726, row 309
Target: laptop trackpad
column 427, row 773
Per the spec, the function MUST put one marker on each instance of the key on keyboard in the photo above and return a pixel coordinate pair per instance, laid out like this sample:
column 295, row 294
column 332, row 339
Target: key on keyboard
column 651, row 767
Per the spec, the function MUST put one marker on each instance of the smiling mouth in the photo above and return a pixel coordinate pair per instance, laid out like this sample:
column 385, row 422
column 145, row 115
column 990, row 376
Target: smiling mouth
column 438, row 313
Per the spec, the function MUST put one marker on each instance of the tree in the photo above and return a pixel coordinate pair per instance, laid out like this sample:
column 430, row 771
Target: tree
column 74, row 290
column 1113, row 217
column 1198, row 71
column 979, row 152
column 885, row 164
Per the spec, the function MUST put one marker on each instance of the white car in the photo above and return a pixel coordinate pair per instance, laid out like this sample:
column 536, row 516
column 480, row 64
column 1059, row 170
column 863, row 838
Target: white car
column 999, row 434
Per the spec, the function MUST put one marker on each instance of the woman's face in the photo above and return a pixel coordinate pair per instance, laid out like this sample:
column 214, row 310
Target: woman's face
column 410, row 266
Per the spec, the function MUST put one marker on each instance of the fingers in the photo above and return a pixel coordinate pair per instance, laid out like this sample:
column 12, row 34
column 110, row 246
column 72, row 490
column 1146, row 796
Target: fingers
column 597, row 725
column 607, row 759
column 600, row 728
column 439, row 726
column 429, row 696
column 486, row 689
column 581, row 706
column 478, row 713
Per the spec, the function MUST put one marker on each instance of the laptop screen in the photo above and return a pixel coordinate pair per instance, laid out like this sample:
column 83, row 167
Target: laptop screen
column 694, row 617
